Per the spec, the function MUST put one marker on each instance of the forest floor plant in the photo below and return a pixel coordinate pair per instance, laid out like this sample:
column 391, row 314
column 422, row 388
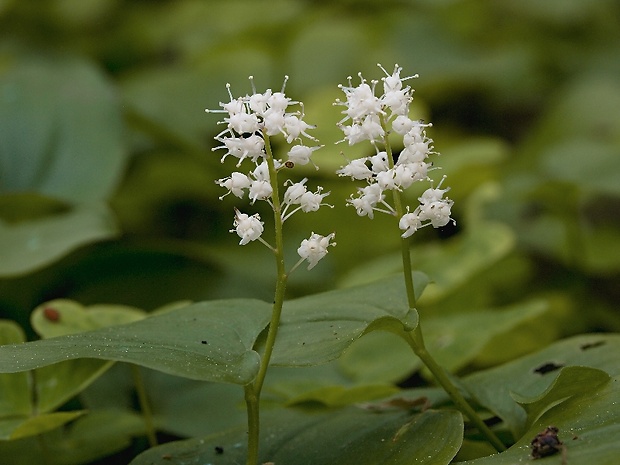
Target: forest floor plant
column 252, row 120
column 331, row 396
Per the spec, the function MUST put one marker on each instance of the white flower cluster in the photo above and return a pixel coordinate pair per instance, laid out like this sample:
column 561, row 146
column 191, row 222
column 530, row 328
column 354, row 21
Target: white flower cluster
column 370, row 118
column 250, row 121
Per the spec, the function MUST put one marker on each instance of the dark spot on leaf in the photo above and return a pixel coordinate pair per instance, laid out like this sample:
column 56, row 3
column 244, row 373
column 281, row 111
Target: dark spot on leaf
column 219, row 450
column 546, row 443
column 51, row 314
column 547, row 368
column 203, row 342
column 166, row 457
column 592, row 345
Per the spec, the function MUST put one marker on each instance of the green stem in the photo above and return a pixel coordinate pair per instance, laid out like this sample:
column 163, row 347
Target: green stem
column 253, row 390
column 145, row 406
column 416, row 343
column 251, row 402
column 414, row 338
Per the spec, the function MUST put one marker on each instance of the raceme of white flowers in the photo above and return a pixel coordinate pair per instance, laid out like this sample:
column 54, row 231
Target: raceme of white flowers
column 369, row 118
column 251, row 120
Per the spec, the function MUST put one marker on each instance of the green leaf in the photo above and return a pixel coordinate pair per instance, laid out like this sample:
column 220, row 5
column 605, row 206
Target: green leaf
column 62, row 132
column 25, row 398
column 530, row 375
column 14, row 388
column 455, row 340
column 350, row 435
column 60, row 317
column 90, row 437
column 340, row 396
column 318, row 328
column 209, row 341
column 29, row 245
column 448, row 265
column 572, row 381
column 589, row 425
column 17, row 428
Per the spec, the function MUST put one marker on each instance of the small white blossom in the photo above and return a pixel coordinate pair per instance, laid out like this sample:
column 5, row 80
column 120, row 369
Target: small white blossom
column 295, row 191
column 260, row 190
column 356, row 169
column 300, row 154
column 402, row 125
column 311, row 201
column 379, row 162
column 314, row 248
column 295, row 127
column 235, row 184
column 354, row 133
column 410, row 223
column 248, row 228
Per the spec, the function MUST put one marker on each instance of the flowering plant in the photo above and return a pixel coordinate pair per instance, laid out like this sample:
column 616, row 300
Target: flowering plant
column 312, row 414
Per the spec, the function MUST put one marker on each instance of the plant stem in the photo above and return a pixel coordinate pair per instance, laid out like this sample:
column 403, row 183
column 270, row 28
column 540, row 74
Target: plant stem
column 415, row 341
column 253, row 390
column 414, row 338
column 145, row 406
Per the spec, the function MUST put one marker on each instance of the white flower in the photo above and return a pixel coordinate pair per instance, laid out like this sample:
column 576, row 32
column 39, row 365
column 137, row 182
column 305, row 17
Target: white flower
column 258, row 103
column 361, row 101
column 294, row 127
column 248, row 228
column 370, row 196
column 402, row 125
column 300, row 154
column 410, row 223
column 371, row 127
column 235, row 184
column 387, row 180
column 261, row 172
column 354, row 133
column 314, row 248
column 438, row 213
column 294, row 192
column 357, row 169
column 431, row 195
column 260, row 190
column 311, row 201
column 379, row 162
column 243, row 123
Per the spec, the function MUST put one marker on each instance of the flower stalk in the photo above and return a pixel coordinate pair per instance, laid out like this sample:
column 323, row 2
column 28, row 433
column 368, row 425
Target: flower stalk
column 370, row 118
column 252, row 121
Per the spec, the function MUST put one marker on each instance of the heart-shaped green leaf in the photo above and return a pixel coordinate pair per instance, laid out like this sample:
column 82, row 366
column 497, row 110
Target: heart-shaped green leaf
column 351, row 436
column 571, row 381
column 318, row 328
column 533, row 374
column 588, row 426
column 209, row 341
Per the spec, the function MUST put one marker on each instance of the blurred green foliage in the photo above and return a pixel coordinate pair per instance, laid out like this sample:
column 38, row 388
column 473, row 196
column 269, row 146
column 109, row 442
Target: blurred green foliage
column 106, row 172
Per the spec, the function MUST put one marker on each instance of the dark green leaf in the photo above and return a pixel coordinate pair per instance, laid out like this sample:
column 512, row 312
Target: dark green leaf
column 318, row 328
column 62, row 132
column 209, row 341
column 30, row 245
column 347, row 436
column 533, row 374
